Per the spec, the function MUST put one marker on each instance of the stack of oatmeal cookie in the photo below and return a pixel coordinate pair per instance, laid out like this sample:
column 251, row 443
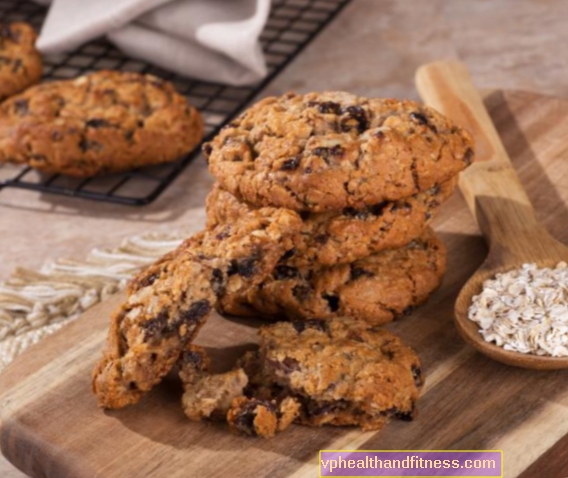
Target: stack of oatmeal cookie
column 319, row 217
column 366, row 177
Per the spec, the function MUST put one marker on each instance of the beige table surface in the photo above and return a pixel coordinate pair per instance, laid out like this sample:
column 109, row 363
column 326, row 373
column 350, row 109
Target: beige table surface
column 372, row 48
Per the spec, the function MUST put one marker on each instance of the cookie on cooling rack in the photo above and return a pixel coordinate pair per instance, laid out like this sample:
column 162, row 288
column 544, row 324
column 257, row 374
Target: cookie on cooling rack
column 104, row 122
column 20, row 62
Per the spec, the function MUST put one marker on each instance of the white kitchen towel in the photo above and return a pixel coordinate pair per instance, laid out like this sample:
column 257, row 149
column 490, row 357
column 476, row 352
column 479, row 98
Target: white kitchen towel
column 212, row 40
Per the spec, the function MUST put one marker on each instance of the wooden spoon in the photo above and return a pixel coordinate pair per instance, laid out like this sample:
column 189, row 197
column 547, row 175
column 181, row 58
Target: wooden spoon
column 497, row 200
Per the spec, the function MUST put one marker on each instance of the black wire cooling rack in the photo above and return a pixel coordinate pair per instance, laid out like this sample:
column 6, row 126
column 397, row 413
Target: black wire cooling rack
column 292, row 25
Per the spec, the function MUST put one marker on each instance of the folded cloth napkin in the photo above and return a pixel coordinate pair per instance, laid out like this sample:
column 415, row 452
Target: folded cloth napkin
column 212, row 40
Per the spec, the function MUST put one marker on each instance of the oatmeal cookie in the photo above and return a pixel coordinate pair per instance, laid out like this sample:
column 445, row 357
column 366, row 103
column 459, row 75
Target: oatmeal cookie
column 376, row 289
column 333, row 150
column 105, row 122
column 341, row 371
column 20, row 62
column 169, row 302
column 339, row 238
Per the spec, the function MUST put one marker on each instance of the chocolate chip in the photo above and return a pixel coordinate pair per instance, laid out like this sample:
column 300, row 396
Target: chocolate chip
column 86, row 145
column 301, row 292
column 326, row 107
column 232, row 124
column 226, row 232
column 405, row 416
column 417, row 375
column 321, row 239
column 156, row 327
column 357, row 272
column 217, row 281
column 148, row 280
column 282, row 272
column 97, row 123
column 332, row 301
column 243, row 267
column 21, row 107
column 420, row 118
column 358, row 115
column 398, row 206
column 316, row 324
column 356, row 213
column 290, row 164
column 378, row 209
column 196, row 312
column 56, row 135
column 288, row 254
column 468, row 156
column 207, row 149
column 193, row 358
column 128, row 135
column 327, row 153
column 244, row 422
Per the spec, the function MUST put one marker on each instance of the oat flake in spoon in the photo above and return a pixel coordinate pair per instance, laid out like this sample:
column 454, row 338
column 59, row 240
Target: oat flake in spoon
column 525, row 310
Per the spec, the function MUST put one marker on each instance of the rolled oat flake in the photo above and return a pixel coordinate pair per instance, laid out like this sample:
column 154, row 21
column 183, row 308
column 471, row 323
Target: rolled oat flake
column 525, row 310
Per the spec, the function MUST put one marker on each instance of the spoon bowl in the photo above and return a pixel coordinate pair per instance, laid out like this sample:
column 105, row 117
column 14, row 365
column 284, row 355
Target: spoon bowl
column 470, row 332
column 498, row 202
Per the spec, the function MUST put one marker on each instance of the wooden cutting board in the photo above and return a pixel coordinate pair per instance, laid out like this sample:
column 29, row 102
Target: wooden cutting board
column 50, row 425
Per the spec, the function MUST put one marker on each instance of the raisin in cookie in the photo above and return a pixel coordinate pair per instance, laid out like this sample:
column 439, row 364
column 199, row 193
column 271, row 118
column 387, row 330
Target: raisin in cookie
column 341, row 371
column 329, row 151
column 339, row 238
column 261, row 417
column 105, row 122
column 20, row 62
column 169, row 302
column 376, row 289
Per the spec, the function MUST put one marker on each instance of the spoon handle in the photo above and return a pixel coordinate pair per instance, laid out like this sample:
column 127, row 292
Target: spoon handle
column 490, row 185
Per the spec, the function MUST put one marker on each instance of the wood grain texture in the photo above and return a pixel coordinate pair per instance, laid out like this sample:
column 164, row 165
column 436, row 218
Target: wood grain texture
column 497, row 200
column 50, row 426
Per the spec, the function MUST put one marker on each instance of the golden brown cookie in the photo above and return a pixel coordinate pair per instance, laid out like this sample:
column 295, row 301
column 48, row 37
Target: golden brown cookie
column 333, row 150
column 376, row 289
column 169, row 302
column 20, row 62
column 345, row 236
column 341, row 371
column 105, row 122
